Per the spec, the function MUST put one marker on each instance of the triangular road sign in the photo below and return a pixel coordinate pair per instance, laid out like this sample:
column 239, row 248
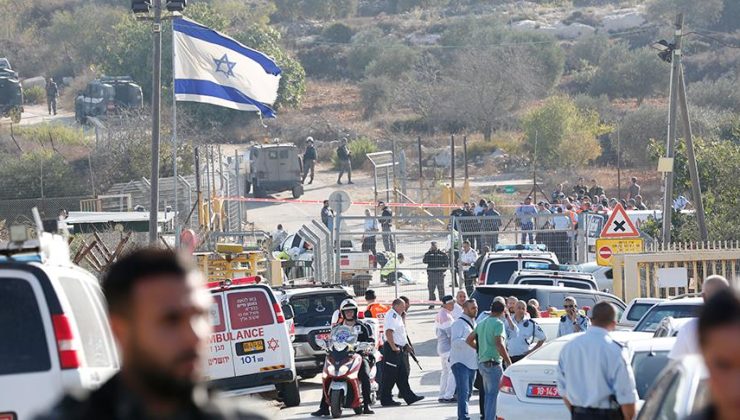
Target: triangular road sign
column 619, row 225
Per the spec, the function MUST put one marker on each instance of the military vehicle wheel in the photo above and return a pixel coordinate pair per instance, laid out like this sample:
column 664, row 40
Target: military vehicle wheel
column 297, row 191
column 259, row 192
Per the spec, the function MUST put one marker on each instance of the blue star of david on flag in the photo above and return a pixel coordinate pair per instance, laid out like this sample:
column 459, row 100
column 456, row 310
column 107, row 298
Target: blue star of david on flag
column 224, row 61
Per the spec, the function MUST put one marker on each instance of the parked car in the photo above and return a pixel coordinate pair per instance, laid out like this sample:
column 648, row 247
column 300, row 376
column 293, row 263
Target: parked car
column 497, row 267
column 681, row 390
column 528, row 388
column 250, row 347
column 312, row 313
column 676, row 308
column 56, row 335
column 635, row 311
column 603, row 275
column 547, row 296
column 669, row 326
column 554, row 278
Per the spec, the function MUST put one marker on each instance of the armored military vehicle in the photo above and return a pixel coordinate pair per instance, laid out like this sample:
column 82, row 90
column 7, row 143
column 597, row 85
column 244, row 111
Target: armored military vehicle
column 107, row 95
column 11, row 92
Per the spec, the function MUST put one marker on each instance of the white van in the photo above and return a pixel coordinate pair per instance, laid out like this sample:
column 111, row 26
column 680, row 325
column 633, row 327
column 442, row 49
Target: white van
column 56, row 336
column 250, row 346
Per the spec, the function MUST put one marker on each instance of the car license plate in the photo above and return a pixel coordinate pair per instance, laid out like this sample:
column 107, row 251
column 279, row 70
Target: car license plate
column 542, row 391
column 250, row 347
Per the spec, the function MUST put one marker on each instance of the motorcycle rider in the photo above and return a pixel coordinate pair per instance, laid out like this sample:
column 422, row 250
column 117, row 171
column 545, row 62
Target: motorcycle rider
column 348, row 310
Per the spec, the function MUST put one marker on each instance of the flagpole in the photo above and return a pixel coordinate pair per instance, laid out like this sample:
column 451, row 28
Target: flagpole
column 174, row 140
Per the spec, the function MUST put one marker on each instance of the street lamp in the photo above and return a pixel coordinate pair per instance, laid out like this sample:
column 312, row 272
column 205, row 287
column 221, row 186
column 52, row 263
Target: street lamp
column 665, row 50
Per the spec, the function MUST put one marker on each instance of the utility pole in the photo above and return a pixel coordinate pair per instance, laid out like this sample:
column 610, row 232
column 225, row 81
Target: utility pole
column 693, row 170
column 421, row 171
column 671, row 141
column 156, row 110
column 619, row 165
column 465, row 155
column 452, row 168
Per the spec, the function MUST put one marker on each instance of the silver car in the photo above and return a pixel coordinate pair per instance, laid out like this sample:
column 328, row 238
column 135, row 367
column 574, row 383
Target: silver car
column 313, row 308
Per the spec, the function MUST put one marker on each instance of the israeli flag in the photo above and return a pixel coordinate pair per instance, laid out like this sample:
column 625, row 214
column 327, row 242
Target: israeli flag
column 213, row 68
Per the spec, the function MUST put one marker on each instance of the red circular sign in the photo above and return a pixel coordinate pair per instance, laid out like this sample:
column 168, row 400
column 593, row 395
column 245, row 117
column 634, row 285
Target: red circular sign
column 605, row 252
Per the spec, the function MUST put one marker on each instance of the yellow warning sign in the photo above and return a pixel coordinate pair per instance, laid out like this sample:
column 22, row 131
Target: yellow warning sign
column 607, row 248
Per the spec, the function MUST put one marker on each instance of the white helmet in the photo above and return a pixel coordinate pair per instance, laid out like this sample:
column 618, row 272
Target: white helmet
column 309, row 139
column 348, row 304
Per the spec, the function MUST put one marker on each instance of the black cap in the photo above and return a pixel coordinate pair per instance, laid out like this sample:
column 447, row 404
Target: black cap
column 447, row 299
column 369, row 294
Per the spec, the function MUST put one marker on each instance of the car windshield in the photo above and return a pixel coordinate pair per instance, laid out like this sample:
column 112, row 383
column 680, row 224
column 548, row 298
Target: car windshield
column 499, row 272
column 315, row 310
column 651, row 320
column 549, row 352
column 647, row 366
column 638, row 310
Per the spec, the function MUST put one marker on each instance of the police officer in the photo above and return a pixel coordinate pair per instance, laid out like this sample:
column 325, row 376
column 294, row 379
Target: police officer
column 348, row 310
column 395, row 371
column 528, row 337
column 594, row 377
column 572, row 321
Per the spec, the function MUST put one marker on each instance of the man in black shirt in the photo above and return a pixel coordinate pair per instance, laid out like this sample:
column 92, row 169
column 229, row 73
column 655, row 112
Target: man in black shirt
column 437, row 263
column 386, row 221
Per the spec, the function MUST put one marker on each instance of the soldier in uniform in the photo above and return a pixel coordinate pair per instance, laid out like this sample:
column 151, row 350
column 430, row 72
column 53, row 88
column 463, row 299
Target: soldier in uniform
column 395, row 371
column 345, row 161
column 594, row 377
column 158, row 311
column 572, row 321
column 309, row 160
column 52, row 92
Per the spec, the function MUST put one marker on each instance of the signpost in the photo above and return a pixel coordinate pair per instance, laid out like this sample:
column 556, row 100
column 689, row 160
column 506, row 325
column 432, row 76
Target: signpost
column 619, row 236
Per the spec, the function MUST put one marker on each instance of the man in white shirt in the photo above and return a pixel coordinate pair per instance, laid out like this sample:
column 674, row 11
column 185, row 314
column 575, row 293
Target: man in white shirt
column 468, row 257
column 443, row 328
column 463, row 358
column 371, row 228
column 278, row 237
column 687, row 340
column 460, row 299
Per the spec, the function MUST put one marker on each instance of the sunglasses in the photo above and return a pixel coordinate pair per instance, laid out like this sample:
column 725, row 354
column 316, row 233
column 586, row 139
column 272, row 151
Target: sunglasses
column 569, row 306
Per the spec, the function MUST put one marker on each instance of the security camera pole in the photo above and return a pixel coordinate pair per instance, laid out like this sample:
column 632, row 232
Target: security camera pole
column 156, row 111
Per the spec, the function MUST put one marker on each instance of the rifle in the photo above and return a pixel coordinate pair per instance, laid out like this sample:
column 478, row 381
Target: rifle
column 413, row 353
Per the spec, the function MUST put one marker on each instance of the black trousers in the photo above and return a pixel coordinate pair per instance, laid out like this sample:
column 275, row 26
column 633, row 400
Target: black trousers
column 395, row 373
column 364, row 376
column 582, row 413
column 436, row 282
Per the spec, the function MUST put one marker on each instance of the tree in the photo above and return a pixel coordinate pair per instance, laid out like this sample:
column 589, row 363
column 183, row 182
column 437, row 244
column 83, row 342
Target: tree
column 701, row 13
column 625, row 73
column 637, row 130
column 562, row 135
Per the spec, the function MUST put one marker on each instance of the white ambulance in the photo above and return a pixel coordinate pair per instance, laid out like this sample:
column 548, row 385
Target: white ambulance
column 250, row 346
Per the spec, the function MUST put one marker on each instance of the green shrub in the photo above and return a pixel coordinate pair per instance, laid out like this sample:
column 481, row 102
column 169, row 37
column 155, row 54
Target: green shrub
column 338, row 32
column 360, row 148
column 34, row 95
column 480, row 149
column 720, row 94
column 59, row 134
column 376, row 95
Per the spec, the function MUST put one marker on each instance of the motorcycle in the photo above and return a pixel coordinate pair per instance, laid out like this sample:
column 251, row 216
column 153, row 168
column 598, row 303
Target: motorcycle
column 341, row 369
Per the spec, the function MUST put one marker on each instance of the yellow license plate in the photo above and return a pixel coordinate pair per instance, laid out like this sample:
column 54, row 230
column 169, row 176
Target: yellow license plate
column 253, row 346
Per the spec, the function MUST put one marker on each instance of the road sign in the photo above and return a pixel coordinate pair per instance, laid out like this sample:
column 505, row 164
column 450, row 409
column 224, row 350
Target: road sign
column 607, row 248
column 619, row 225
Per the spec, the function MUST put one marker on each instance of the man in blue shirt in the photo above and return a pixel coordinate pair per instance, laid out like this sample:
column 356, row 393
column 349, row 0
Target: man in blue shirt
column 572, row 321
column 526, row 213
column 594, row 377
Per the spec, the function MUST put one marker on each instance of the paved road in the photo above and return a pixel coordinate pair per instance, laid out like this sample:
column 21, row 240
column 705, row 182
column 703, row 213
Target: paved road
column 38, row 114
column 426, row 382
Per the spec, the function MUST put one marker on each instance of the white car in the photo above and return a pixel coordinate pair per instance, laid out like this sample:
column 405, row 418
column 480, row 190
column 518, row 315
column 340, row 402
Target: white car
column 56, row 335
column 676, row 308
column 603, row 275
column 635, row 310
column 681, row 390
column 529, row 387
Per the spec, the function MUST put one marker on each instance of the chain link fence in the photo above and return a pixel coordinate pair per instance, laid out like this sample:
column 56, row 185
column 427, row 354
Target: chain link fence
column 407, row 263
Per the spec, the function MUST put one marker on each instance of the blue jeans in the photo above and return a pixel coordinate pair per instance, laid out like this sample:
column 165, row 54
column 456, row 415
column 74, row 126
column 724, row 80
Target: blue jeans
column 491, row 375
column 464, row 378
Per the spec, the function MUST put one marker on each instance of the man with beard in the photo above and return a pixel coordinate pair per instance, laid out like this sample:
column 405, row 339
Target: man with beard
column 158, row 312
